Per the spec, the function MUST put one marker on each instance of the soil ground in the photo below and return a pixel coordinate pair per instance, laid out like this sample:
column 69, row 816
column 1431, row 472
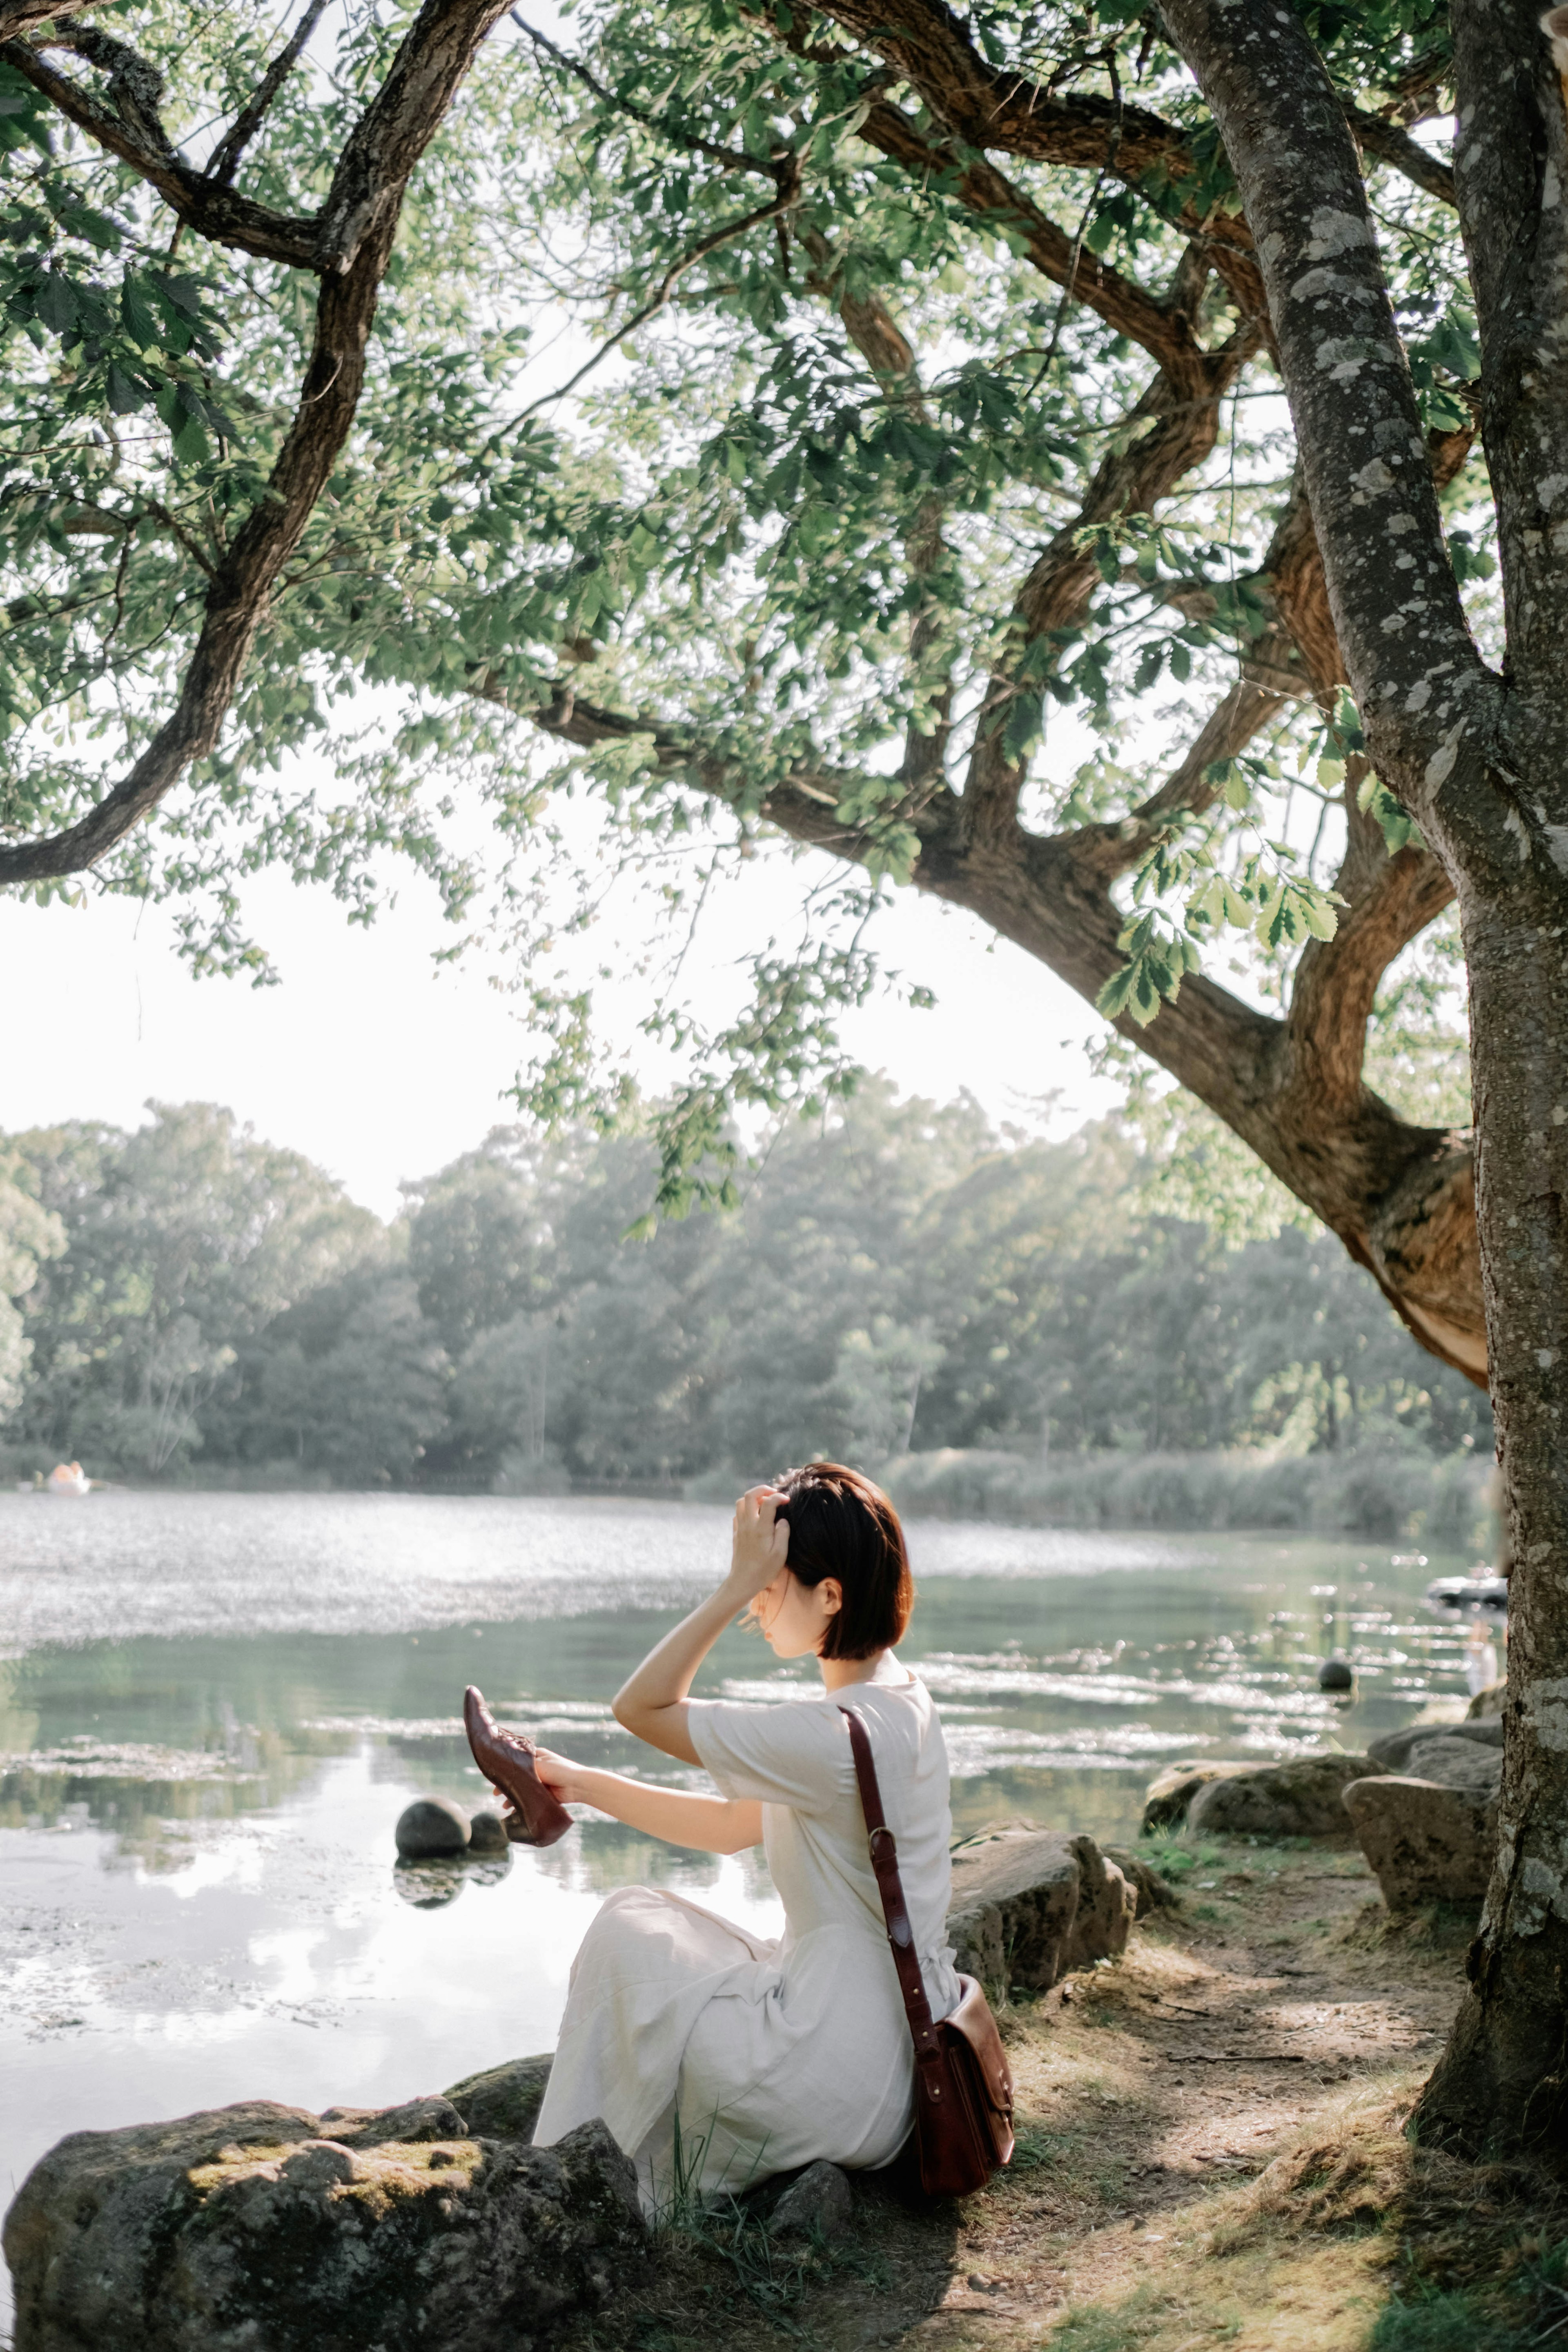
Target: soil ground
column 1210, row 2152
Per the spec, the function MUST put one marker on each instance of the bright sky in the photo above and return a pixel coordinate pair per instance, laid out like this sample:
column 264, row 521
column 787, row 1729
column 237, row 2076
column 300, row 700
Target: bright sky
column 382, row 1065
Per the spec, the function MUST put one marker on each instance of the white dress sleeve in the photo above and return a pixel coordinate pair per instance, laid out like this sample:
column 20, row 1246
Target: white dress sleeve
column 794, row 1753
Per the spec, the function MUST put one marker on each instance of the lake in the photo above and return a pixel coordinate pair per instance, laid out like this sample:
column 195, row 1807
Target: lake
column 213, row 1708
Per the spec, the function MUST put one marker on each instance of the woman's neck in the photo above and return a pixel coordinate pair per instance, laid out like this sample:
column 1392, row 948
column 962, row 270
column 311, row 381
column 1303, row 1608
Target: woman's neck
column 836, row 1673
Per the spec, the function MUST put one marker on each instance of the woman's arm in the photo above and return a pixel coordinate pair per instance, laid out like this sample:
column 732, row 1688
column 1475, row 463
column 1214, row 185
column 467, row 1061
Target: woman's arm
column 652, row 1702
column 710, row 1824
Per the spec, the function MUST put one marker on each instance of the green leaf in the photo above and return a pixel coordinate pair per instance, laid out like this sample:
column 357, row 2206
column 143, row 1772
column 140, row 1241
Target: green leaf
column 1021, row 731
column 56, row 303
column 125, row 395
column 183, row 417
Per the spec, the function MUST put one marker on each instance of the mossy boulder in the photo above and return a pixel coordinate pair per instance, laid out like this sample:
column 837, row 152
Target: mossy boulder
column 1171, row 1793
column 267, row 2229
column 1301, row 1797
column 1029, row 1905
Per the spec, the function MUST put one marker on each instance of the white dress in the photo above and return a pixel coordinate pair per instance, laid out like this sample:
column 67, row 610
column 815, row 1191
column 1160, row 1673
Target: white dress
column 771, row 2053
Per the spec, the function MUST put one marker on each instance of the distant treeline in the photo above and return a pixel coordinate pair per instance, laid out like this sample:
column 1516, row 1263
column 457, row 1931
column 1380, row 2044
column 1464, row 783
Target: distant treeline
column 898, row 1280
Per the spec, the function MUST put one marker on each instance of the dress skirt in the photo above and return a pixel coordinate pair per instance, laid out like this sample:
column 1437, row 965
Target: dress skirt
column 713, row 2063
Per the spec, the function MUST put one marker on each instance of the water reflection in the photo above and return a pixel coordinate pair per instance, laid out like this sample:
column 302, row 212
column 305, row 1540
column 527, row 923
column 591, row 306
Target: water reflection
column 429, row 1884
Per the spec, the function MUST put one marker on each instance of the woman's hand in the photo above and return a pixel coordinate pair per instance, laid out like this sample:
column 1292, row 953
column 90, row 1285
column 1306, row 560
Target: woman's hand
column 652, row 1703
column 558, row 1773
column 759, row 1547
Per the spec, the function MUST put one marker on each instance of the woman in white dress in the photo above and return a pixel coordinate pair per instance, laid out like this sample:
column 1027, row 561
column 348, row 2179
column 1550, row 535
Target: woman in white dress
column 753, row 2056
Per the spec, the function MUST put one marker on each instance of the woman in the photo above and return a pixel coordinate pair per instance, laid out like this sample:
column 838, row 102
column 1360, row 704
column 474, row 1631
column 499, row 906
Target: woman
column 718, row 2057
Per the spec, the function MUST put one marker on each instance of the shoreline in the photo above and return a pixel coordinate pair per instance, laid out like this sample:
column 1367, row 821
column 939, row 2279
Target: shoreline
column 1373, row 1494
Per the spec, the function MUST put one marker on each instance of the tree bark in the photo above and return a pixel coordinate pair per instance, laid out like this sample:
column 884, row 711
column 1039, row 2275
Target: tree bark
column 1504, row 2076
column 1482, row 762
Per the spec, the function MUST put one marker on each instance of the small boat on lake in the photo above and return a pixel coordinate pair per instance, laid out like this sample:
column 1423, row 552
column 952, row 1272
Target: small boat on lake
column 67, row 1478
column 1454, row 1594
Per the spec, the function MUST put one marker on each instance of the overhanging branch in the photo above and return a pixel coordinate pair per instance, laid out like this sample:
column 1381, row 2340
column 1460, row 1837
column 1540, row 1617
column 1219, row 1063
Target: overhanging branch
column 368, row 188
column 220, row 215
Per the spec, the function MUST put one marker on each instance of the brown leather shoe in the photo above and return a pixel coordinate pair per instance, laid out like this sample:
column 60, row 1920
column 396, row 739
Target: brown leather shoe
column 506, row 1759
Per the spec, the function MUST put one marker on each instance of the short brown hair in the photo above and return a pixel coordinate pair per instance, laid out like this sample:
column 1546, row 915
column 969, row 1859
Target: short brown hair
column 840, row 1525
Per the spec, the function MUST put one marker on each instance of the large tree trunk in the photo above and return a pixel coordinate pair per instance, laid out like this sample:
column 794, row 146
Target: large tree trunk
column 1505, row 2073
column 1482, row 762
column 1504, row 826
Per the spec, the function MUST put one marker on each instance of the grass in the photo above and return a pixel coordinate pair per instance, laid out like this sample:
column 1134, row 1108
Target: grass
column 720, row 2250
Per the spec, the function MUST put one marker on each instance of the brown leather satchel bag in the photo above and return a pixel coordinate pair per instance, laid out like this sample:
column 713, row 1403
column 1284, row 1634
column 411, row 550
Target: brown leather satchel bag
column 963, row 2090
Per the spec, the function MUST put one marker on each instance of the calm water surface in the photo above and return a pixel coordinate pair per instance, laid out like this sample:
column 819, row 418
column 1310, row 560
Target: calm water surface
column 213, row 1708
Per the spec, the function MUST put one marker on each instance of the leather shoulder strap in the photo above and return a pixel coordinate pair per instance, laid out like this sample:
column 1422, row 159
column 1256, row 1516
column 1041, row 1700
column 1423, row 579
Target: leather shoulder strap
column 891, row 1886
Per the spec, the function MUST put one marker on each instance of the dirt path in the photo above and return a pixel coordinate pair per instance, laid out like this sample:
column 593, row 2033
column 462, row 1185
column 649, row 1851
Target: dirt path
column 1210, row 2152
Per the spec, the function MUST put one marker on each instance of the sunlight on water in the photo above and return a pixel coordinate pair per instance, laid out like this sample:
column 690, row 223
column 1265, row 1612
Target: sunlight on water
column 213, row 1708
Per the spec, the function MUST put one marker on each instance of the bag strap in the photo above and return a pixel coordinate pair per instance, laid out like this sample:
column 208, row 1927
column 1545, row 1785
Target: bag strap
column 891, row 1886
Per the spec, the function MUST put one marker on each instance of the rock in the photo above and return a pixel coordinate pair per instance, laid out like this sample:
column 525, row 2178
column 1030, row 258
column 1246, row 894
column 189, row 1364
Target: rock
column 819, row 2204
column 1154, row 1893
column 487, row 1833
column 1425, row 1841
column 256, row 2229
column 431, row 1826
column 1458, row 1763
column 1487, row 1702
column 1336, row 1674
column 1106, row 1907
column 504, row 2102
column 1395, row 1748
column 1028, row 1905
column 1167, row 1796
column 413, row 2123
column 1302, row 1797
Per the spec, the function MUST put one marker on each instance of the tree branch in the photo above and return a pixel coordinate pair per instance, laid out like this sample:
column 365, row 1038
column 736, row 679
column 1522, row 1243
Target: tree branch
column 1512, row 154
column 1163, row 330
column 1108, row 850
column 729, row 159
column 1392, row 144
column 372, row 171
column 1395, row 1194
column 404, row 115
column 1183, row 416
column 225, row 161
column 998, row 107
column 399, row 123
column 217, row 213
column 1390, row 900
column 786, row 178
column 19, row 17
column 995, row 107
column 887, row 351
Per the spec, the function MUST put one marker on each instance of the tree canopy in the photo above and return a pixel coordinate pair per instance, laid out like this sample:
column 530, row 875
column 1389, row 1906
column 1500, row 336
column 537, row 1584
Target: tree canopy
column 934, row 506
